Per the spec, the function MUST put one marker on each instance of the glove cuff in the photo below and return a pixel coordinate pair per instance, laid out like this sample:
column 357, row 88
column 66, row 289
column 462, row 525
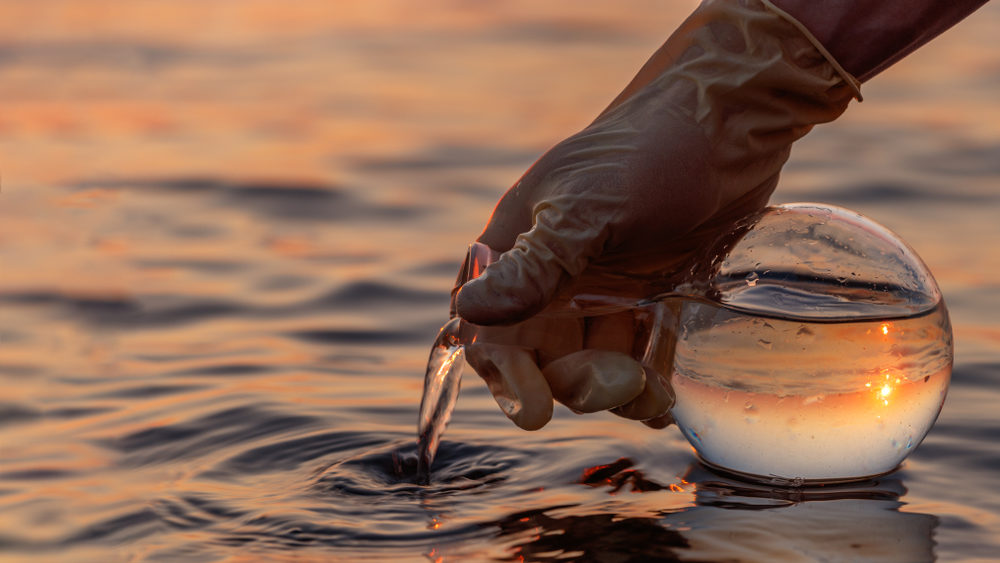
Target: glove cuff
column 853, row 83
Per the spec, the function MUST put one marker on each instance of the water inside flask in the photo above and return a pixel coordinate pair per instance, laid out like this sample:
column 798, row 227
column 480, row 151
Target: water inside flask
column 812, row 346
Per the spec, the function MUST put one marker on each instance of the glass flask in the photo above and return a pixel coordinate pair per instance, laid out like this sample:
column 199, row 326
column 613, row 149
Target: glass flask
column 820, row 352
column 812, row 346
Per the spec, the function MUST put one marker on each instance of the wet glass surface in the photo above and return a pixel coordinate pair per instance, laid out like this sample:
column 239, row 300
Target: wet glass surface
column 228, row 232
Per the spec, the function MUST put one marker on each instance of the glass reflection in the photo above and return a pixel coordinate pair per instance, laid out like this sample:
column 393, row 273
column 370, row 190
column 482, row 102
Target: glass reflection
column 731, row 520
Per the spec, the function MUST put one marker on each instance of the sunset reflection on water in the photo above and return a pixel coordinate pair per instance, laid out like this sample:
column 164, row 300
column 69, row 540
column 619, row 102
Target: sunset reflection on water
column 228, row 231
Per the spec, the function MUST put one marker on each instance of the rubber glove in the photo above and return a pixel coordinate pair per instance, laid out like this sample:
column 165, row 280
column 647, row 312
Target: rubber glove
column 586, row 363
column 694, row 143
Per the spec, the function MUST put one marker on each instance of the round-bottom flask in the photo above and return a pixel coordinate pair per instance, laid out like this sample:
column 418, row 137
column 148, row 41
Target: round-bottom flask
column 821, row 351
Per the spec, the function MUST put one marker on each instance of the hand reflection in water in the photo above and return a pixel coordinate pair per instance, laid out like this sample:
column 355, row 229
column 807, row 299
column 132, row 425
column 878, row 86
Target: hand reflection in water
column 734, row 521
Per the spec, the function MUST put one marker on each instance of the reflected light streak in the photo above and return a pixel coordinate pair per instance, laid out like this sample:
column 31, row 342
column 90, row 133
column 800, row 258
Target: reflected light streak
column 884, row 388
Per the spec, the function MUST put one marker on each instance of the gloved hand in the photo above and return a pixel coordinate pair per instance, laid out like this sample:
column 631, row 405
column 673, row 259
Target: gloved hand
column 585, row 362
column 694, row 143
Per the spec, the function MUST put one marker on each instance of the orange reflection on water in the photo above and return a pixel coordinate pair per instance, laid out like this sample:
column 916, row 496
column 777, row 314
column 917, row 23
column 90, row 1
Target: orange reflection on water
column 340, row 95
column 85, row 199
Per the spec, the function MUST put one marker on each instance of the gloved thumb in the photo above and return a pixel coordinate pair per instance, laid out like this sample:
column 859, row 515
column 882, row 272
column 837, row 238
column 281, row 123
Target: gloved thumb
column 525, row 278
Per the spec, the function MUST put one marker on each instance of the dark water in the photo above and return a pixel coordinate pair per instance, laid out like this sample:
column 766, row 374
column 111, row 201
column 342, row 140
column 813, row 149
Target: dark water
column 227, row 236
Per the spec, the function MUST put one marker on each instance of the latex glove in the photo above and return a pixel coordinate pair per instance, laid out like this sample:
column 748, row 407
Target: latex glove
column 586, row 363
column 693, row 144
column 585, row 380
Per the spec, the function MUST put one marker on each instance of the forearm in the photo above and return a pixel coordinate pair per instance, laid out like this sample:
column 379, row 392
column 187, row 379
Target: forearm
column 867, row 36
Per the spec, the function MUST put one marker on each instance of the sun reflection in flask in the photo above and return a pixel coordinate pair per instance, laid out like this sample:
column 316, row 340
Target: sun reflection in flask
column 885, row 387
column 884, row 393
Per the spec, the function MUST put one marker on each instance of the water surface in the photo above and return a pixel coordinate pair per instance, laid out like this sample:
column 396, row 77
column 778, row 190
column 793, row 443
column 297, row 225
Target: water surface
column 228, row 231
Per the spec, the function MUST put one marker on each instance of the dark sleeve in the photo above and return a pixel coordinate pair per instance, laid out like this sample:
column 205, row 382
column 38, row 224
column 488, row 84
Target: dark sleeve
column 868, row 36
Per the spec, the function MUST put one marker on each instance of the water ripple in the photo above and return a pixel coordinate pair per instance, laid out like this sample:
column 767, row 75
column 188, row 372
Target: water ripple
column 450, row 156
column 13, row 413
column 188, row 440
column 984, row 375
column 124, row 312
column 149, row 391
column 360, row 336
column 128, row 54
column 458, row 467
column 367, row 294
column 202, row 266
column 283, row 201
column 884, row 192
column 234, row 369
column 166, row 311
column 124, row 528
column 289, row 454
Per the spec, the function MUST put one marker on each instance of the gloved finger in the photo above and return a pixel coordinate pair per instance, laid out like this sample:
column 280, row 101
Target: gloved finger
column 660, row 422
column 477, row 257
column 514, row 380
column 595, row 380
column 653, row 402
column 551, row 338
column 524, row 280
